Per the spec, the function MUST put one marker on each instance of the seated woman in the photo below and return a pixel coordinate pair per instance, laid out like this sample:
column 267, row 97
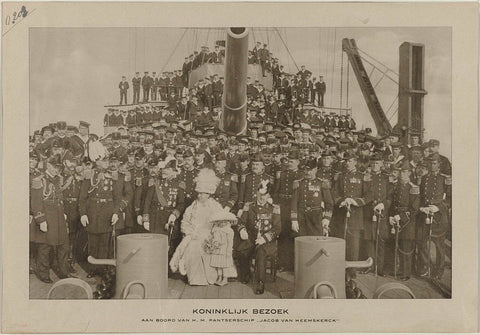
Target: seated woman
column 193, row 257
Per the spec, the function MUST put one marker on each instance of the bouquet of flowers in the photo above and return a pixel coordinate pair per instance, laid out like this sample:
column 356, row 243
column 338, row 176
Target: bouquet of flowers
column 211, row 245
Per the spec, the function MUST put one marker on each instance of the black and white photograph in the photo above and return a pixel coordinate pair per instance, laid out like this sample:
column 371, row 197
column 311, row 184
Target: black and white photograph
column 240, row 162
column 239, row 167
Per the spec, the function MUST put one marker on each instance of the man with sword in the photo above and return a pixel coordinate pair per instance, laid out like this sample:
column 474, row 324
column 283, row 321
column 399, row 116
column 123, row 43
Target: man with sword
column 405, row 201
column 351, row 193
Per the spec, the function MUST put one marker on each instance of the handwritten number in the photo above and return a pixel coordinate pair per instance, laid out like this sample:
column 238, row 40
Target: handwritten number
column 16, row 15
column 23, row 11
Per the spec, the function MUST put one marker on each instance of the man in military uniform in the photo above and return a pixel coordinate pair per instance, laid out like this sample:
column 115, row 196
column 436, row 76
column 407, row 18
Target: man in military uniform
column 445, row 166
column 351, row 193
column 146, row 84
column 164, row 201
column 155, row 84
column 48, row 215
column 136, row 87
column 375, row 229
column 227, row 192
column 405, row 203
column 102, row 200
column 250, row 182
column 435, row 194
column 312, row 203
column 260, row 225
column 187, row 176
column 123, row 86
column 283, row 196
column 71, row 184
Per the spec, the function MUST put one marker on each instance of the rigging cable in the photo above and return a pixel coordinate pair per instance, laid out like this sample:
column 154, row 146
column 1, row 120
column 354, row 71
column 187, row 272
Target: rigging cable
column 333, row 65
column 348, row 81
column 341, row 81
column 288, row 50
column 174, row 49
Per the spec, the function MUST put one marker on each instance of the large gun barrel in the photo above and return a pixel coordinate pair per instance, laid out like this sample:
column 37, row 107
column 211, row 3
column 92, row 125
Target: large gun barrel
column 234, row 116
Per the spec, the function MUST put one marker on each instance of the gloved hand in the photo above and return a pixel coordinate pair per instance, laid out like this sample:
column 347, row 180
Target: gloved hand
column 260, row 240
column 240, row 212
column 343, row 203
column 325, row 225
column 146, row 225
column 227, row 208
column 114, row 218
column 397, row 218
column 295, row 226
column 167, row 226
column 391, row 220
column 379, row 208
column 433, row 209
column 243, row 234
column 171, row 219
column 43, row 226
column 351, row 201
column 84, row 220
column 425, row 210
column 65, row 216
column 139, row 220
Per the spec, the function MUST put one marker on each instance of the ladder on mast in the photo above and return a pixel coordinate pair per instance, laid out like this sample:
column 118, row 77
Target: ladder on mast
column 384, row 127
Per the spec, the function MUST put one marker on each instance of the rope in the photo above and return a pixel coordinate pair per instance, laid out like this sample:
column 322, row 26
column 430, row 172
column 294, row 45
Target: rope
column 348, row 81
column 391, row 70
column 333, row 65
column 174, row 49
column 341, row 81
column 288, row 50
column 208, row 34
column 136, row 49
column 143, row 49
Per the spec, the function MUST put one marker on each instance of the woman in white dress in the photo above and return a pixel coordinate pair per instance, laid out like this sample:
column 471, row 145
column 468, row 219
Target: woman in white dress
column 191, row 256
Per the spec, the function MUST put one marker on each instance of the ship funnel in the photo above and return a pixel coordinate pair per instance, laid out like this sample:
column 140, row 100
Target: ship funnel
column 234, row 116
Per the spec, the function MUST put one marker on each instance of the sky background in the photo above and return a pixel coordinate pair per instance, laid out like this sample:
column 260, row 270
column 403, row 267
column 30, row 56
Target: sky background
column 74, row 72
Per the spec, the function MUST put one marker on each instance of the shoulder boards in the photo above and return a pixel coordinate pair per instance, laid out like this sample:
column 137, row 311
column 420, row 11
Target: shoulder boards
column 151, row 182
column 276, row 209
column 182, row 185
column 367, row 177
column 296, row 184
column 414, row 189
column 243, row 178
column 234, row 178
column 326, row 184
column 37, row 182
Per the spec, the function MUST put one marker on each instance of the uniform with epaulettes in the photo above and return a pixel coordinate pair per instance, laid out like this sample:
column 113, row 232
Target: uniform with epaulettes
column 47, row 206
column 72, row 183
column 311, row 202
column 188, row 179
column 103, row 193
column 164, row 197
column 258, row 220
column 405, row 200
column 139, row 181
column 373, row 223
column 351, row 184
column 227, row 192
column 249, row 185
column 435, row 189
column 283, row 196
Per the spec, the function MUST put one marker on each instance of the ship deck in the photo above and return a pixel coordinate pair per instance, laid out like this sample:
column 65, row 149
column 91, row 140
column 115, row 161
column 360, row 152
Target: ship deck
column 282, row 288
